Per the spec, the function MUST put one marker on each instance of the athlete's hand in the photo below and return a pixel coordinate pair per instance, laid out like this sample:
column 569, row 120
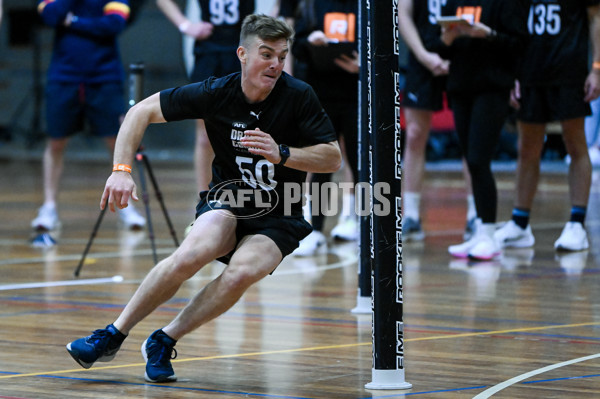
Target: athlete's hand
column 261, row 143
column 436, row 64
column 199, row 30
column 515, row 96
column 450, row 33
column 592, row 86
column 318, row 38
column 348, row 63
column 118, row 189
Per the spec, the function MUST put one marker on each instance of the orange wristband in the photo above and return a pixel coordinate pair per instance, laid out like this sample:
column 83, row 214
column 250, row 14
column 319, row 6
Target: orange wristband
column 596, row 65
column 121, row 167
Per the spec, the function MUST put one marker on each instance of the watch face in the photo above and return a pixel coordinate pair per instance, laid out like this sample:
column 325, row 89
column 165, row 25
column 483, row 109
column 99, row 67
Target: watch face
column 284, row 152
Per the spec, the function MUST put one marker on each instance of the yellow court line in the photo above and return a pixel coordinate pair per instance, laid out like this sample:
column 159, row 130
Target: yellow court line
column 314, row 348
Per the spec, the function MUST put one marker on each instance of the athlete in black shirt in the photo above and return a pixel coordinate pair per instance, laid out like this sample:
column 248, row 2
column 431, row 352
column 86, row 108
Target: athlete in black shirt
column 555, row 85
column 484, row 56
column 423, row 95
column 267, row 130
column 216, row 38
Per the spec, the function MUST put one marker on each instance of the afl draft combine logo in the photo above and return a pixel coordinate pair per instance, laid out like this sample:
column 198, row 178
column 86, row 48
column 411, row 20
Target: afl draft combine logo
column 235, row 195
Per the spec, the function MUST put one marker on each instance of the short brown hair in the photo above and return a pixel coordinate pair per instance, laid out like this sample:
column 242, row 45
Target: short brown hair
column 266, row 28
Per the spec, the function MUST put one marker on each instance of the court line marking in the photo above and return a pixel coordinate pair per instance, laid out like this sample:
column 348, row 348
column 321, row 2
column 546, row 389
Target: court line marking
column 505, row 384
column 314, row 348
column 46, row 284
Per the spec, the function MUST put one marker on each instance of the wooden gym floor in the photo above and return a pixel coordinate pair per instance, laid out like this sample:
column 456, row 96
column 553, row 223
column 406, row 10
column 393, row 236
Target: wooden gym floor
column 525, row 326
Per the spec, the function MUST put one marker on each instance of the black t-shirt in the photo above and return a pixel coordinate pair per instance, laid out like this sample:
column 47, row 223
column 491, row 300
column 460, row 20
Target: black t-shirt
column 490, row 63
column 557, row 52
column 227, row 18
column 288, row 8
column 337, row 86
column 291, row 114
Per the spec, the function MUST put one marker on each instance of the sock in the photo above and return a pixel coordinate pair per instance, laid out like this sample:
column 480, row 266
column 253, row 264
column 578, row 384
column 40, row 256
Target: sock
column 348, row 207
column 118, row 335
column 412, row 202
column 578, row 214
column 471, row 211
column 521, row 217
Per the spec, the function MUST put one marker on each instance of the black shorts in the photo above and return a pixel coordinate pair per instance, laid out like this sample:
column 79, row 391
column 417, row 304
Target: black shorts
column 285, row 231
column 552, row 103
column 423, row 90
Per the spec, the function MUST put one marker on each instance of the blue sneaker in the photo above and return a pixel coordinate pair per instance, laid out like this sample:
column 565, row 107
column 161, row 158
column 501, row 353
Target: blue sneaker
column 412, row 230
column 101, row 346
column 158, row 350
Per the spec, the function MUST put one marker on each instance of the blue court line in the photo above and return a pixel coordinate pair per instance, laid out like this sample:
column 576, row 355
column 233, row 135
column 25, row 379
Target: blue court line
column 561, row 379
column 177, row 388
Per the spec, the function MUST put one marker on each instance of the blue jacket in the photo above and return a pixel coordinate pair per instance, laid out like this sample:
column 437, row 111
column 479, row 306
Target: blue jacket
column 87, row 51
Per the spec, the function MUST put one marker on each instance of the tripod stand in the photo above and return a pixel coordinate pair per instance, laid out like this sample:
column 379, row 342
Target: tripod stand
column 135, row 94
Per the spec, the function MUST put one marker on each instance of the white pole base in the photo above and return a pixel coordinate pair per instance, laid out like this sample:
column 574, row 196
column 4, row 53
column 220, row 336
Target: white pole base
column 363, row 305
column 388, row 379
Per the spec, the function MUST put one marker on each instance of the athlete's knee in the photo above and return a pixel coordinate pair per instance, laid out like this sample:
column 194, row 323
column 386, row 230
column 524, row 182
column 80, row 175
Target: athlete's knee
column 184, row 264
column 240, row 276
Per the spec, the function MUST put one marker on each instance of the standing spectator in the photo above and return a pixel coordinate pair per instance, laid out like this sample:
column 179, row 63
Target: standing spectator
column 483, row 56
column 293, row 135
column 217, row 37
column 320, row 24
column 288, row 9
column 425, row 86
column 85, row 82
column 555, row 85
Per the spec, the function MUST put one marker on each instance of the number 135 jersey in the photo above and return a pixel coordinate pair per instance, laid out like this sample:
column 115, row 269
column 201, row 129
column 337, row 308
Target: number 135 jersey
column 557, row 51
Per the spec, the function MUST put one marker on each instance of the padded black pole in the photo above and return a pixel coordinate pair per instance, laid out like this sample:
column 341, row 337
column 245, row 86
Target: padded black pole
column 386, row 235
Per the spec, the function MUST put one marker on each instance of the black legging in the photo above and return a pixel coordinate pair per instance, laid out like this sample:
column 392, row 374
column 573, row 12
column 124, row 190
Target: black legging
column 479, row 118
column 344, row 117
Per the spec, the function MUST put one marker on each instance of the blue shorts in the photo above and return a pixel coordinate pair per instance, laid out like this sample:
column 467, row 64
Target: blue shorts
column 69, row 105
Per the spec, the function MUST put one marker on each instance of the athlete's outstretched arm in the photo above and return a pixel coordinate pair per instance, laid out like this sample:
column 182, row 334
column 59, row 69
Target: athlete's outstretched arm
column 120, row 186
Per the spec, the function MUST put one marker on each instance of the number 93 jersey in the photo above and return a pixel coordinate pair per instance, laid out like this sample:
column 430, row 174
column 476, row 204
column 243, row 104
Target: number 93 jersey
column 291, row 114
column 557, row 52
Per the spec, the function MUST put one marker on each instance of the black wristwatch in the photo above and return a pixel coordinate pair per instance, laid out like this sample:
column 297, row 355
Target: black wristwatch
column 284, row 152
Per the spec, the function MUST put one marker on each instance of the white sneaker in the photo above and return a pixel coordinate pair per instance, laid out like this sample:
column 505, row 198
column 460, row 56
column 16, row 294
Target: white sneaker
column 462, row 250
column 511, row 235
column 47, row 219
column 486, row 249
column 346, row 229
column 572, row 238
column 312, row 244
column 131, row 218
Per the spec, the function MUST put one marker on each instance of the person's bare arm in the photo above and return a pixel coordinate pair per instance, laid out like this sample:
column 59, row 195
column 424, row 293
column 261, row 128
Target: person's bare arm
column 410, row 34
column 199, row 30
column 120, row 185
column 592, row 83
